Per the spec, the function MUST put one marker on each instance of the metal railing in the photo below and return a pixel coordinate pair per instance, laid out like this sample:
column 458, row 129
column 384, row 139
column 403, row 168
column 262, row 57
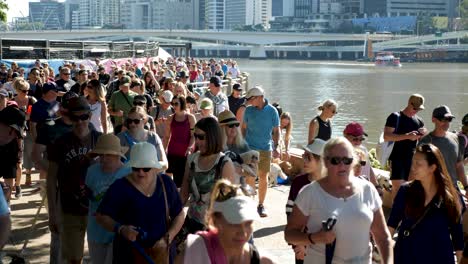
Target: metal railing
column 226, row 84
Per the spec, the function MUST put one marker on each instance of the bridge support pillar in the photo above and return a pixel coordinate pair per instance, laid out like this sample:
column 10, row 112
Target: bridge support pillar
column 228, row 53
column 258, row 52
column 196, row 53
column 340, row 55
column 356, row 55
column 309, row 54
column 285, row 54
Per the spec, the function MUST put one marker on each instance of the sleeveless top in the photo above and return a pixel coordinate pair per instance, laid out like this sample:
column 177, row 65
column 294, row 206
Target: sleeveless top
column 96, row 116
column 180, row 137
column 324, row 129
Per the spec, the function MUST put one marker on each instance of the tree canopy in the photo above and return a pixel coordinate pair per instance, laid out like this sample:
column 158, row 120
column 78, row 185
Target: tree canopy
column 3, row 11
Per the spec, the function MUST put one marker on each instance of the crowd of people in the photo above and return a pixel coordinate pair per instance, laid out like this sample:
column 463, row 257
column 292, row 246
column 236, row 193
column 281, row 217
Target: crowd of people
column 122, row 153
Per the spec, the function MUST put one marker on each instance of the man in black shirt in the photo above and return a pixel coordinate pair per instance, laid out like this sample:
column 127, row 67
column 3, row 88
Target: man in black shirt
column 405, row 128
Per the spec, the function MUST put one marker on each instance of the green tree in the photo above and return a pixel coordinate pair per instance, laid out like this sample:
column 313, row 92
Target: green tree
column 3, row 11
column 463, row 14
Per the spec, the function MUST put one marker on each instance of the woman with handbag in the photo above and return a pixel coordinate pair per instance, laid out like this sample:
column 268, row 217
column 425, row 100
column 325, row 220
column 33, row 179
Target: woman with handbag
column 144, row 211
column 427, row 212
column 230, row 225
column 350, row 202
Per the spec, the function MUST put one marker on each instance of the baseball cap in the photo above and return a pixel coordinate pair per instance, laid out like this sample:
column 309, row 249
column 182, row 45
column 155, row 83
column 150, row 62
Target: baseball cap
column 125, row 81
column 216, row 81
column 316, row 147
column 206, row 104
column 15, row 118
column 237, row 210
column 465, row 120
column 77, row 104
column 139, row 99
column 237, row 87
column 49, row 86
column 167, row 95
column 417, row 101
column 354, row 129
column 442, row 111
column 182, row 74
column 255, row 91
column 4, row 93
column 66, row 98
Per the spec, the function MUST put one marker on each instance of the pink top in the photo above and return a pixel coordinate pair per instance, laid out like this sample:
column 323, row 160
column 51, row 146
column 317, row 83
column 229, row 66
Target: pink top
column 180, row 137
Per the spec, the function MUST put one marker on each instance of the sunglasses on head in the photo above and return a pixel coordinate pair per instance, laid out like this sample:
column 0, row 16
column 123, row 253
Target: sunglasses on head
column 199, row 136
column 229, row 192
column 82, row 117
column 136, row 121
column 233, row 125
column 138, row 169
column 445, row 119
column 338, row 160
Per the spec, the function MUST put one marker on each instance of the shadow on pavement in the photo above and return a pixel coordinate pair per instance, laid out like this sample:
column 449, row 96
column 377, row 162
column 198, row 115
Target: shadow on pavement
column 263, row 232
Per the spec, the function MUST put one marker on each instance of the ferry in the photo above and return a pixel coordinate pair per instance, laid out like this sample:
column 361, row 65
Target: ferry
column 387, row 59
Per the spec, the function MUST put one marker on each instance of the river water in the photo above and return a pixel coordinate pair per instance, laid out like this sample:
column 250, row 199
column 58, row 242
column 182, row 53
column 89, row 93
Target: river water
column 365, row 93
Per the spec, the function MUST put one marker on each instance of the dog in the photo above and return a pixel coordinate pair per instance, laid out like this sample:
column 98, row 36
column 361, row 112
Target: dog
column 275, row 172
column 385, row 183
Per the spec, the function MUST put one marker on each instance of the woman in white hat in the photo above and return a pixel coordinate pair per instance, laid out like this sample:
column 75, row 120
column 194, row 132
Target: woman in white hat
column 98, row 179
column 144, row 210
column 230, row 226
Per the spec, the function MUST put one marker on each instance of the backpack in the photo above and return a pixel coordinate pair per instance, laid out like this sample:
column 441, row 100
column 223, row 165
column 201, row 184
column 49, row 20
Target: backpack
column 158, row 109
column 385, row 148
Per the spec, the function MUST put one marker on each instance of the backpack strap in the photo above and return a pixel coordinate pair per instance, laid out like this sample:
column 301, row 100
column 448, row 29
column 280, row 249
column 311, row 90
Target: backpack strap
column 213, row 246
column 398, row 114
column 222, row 160
column 254, row 254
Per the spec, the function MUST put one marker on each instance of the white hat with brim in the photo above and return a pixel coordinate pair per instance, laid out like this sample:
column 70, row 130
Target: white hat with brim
column 237, row 210
column 316, row 147
column 144, row 155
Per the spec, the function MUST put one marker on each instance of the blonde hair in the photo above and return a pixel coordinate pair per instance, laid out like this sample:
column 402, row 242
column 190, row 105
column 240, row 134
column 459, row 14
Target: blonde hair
column 98, row 90
column 20, row 84
column 222, row 191
column 327, row 103
column 289, row 126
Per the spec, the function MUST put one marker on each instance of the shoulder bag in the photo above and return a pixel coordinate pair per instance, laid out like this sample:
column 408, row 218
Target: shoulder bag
column 385, row 148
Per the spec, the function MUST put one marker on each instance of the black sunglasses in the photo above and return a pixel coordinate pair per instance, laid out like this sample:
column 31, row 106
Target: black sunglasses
column 24, row 91
column 82, row 117
column 136, row 121
column 338, row 160
column 360, row 139
column 233, row 125
column 199, row 136
column 174, row 103
column 138, row 169
column 65, row 73
column 362, row 163
column 139, row 103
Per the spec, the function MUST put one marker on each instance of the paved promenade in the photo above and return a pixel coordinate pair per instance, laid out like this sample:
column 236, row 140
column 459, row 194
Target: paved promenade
column 269, row 236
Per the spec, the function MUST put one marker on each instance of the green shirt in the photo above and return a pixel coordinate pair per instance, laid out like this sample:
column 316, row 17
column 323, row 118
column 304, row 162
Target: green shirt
column 121, row 101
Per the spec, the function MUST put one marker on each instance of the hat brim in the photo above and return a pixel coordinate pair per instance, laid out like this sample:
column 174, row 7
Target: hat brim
column 144, row 164
column 97, row 152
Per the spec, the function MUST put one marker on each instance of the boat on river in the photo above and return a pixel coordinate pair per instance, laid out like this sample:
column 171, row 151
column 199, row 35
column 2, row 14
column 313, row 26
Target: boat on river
column 387, row 59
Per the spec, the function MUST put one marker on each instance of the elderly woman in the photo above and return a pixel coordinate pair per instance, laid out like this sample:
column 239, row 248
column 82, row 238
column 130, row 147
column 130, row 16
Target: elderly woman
column 98, row 179
column 230, row 220
column 202, row 170
column 350, row 202
column 320, row 126
column 143, row 210
column 427, row 212
column 136, row 132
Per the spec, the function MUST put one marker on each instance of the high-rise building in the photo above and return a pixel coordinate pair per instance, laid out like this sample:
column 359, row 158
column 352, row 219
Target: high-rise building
column 415, row 7
column 71, row 7
column 277, row 7
column 159, row 14
column 375, row 7
column 214, row 14
column 98, row 13
column 237, row 14
column 49, row 13
column 304, row 8
column 288, row 8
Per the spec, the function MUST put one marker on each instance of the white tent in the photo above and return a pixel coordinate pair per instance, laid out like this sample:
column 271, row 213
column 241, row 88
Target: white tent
column 162, row 54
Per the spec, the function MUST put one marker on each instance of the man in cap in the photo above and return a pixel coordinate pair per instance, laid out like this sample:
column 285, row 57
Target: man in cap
column 121, row 102
column 182, row 76
column 103, row 76
column 448, row 144
column 404, row 128
column 354, row 133
column 68, row 164
column 261, row 129
column 12, row 123
column 162, row 111
column 115, row 84
column 235, row 99
column 215, row 94
column 45, row 108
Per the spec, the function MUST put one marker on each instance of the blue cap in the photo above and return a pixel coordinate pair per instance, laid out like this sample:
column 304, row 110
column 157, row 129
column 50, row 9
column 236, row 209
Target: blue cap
column 49, row 86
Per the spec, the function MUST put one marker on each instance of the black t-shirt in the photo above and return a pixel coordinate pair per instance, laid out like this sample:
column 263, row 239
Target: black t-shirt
column 70, row 154
column 48, row 132
column 404, row 148
column 235, row 103
column 64, row 86
column 104, row 78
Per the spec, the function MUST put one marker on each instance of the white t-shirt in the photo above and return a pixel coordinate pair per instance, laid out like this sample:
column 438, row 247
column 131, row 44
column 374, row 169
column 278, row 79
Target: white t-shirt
column 354, row 217
column 96, row 116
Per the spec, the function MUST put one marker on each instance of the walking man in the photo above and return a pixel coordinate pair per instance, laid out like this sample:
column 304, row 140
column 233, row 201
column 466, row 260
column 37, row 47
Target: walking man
column 261, row 129
column 405, row 128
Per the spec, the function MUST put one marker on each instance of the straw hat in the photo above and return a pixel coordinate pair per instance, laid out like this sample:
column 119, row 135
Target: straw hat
column 144, row 155
column 109, row 144
column 227, row 118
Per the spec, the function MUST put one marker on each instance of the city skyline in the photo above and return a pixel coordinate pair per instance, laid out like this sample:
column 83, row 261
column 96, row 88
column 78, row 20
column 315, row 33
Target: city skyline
column 19, row 8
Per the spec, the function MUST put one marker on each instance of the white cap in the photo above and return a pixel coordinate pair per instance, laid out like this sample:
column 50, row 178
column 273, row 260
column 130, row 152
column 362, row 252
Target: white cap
column 316, row 147
column 237, row 210
column 167, row 95
column 144, row 155
column 255, row 91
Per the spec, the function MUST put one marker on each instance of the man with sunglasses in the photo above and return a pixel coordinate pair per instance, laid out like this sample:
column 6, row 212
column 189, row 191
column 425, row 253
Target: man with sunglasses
column 354, row 133
column 215, row 94
column 68, row 164
column 261, row 129
column 448, row 144
column 65, row 82
column 81, row 78
column 404, row 128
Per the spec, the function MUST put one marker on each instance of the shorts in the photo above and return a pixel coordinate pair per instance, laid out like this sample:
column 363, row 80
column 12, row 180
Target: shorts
column 400, row 169
column 264, row 161
column 177, row 168
column 8, row 171
column 72, row 235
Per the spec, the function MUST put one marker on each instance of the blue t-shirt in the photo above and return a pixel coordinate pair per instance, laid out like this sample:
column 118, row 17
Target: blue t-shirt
column 128, row 206
column 224, row 68
column 3, row 204
column 260, row 124
column 98, row 182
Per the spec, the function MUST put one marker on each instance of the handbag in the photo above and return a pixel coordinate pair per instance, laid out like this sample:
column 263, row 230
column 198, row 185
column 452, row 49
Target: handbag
column 385, row 148
column 156, row 254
